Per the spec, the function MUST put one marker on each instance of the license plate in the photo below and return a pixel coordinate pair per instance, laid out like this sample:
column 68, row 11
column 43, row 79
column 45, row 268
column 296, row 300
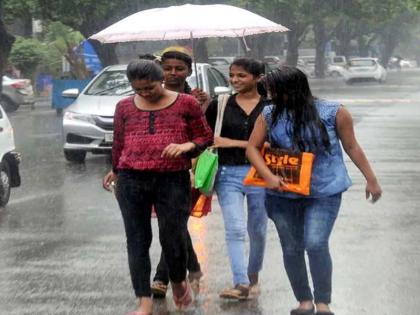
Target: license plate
column 109, row 137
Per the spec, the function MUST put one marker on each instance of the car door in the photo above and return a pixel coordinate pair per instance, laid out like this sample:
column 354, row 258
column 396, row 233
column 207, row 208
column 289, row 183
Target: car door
column 215, row 79
column 7, row 143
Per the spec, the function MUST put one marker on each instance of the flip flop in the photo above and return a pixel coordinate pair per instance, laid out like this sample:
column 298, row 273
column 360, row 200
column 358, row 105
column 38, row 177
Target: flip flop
column 239, row 292
column 298, row 311
column 159, row 289
column 139, row 313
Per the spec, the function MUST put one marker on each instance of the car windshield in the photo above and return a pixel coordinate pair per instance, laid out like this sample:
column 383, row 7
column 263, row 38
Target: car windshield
column 362, row 63
column 111, row 83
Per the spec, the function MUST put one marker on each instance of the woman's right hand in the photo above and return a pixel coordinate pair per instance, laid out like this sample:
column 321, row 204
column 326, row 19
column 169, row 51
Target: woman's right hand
column 275, row 182
column 373, row 190
column 109, row 180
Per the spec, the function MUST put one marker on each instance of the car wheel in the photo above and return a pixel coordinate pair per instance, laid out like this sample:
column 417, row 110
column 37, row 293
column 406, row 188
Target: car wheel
column 335, row 74
column 8, row 105
column 4, row 183
column 76, row 156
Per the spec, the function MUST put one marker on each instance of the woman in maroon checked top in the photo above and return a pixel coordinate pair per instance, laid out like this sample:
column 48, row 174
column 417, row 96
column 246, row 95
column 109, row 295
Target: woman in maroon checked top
column 156, row 133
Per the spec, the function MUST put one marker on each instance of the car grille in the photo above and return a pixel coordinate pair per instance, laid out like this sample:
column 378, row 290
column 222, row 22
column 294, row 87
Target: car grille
column 73, row 138
column 104, row 122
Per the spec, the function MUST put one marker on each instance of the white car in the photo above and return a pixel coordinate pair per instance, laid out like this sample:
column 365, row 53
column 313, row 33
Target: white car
column 10, row 159
column 222, row 63
column 88, row 121
column 335, row 66
column 16, row 92
column 364, row 69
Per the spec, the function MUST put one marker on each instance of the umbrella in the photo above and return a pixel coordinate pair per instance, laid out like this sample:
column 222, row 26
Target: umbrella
column 187, row 21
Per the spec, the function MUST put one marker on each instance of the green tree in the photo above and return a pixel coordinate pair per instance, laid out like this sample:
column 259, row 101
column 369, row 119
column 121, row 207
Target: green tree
column 26, row 55
column 6, row 42
column 62, row 41
column 90, row 16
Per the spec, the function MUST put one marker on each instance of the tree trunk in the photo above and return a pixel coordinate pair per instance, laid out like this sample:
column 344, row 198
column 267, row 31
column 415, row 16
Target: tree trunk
column 6, row 42
column 344, row 36
column 292, row 48
column 106, row 53
column 320, row 42
column 390, row 42
column 363, row 46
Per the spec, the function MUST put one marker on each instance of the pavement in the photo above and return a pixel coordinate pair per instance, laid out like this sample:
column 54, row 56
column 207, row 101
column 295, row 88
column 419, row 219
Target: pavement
column 63, row 249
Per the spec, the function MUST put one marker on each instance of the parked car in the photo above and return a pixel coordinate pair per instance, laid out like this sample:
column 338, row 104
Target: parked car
column 9, row 159
column 337, row 61
column 335, row 66
column 399, row 63
column 273, row 59
column 363, row 69
column 307, row 65
column 16, row 92
column 88, row 121
column 221, row 63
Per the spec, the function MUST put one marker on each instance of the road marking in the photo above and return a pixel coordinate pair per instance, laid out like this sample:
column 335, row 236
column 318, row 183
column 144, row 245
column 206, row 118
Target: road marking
column 376, row 100
column 46, row 135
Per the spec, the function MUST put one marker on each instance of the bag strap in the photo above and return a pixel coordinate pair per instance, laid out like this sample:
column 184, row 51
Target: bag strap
column 221, row 105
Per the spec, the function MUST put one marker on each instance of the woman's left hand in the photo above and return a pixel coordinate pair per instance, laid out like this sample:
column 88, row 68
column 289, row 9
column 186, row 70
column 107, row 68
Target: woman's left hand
column 202, row 97
column 373, row 190
column 175, row 150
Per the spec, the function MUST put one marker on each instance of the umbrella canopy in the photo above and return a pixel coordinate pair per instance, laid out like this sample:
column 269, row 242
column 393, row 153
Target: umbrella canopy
column 187, row 21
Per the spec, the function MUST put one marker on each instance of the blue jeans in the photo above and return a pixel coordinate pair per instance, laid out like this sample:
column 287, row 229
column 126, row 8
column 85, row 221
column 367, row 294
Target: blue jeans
column 306, row 224
column 231, row 193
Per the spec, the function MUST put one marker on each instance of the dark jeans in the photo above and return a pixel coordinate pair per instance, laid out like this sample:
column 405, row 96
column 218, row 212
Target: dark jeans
column 193, row 265
column 306, row 224
column 170, row 193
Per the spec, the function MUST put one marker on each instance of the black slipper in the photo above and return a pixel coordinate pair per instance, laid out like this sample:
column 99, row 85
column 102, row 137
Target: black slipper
column 302, row 312
column 324, row 313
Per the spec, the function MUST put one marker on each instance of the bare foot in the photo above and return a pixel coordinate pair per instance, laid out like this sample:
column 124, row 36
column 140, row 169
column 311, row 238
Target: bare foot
column 145, row 306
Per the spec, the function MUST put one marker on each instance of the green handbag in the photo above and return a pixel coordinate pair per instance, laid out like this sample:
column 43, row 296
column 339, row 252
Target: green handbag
column 207, row 164
column 205, row 171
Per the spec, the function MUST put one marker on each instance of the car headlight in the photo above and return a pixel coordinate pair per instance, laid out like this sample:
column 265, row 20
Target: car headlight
column 77, row 116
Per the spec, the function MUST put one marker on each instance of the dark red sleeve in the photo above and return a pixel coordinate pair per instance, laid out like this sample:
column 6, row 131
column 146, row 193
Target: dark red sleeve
column 198, row 129
column 118, row 142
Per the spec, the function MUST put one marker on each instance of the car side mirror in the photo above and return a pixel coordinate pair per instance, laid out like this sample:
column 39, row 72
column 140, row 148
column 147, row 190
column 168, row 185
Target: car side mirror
column 70, row 93
column 218, row 90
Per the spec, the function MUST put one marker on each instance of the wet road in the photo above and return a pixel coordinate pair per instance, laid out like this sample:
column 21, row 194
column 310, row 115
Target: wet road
column 62, row 242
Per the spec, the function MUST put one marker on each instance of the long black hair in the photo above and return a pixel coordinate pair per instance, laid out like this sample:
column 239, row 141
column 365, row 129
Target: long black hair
column 291, row 95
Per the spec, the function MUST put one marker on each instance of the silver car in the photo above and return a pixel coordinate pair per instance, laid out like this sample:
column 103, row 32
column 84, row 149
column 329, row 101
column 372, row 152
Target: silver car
column 88, row 121
column 16, row 92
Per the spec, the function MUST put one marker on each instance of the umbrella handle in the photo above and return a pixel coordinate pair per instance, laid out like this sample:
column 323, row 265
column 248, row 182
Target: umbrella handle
column 193, row 58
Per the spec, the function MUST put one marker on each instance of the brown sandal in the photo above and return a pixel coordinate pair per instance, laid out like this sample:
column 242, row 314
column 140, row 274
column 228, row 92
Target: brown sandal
column 159, row 289
column 239, row 292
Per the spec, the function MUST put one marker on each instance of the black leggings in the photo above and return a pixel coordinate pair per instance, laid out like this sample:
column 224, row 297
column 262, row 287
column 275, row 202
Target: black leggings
column 170, row 193
column 193, row 265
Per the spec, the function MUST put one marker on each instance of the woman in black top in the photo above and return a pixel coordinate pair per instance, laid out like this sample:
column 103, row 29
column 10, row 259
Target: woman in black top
column 241, row 111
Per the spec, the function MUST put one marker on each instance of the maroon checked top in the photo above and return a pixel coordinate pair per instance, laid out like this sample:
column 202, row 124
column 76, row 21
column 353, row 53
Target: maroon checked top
column 141, row 135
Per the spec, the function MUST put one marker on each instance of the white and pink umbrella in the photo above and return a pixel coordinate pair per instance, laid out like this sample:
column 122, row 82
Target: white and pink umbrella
column 187, row 21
